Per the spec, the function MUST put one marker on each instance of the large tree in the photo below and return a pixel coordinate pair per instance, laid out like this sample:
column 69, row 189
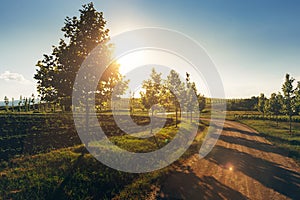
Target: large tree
column 56, row 73
column 288, row 93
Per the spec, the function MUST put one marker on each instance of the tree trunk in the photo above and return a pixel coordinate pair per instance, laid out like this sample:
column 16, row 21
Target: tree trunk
column 151, row 132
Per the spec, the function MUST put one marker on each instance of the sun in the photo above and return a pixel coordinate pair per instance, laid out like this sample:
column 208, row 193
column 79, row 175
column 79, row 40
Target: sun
column 132, row 60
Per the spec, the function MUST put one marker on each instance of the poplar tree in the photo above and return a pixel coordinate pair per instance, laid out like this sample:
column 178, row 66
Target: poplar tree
column 288, row 95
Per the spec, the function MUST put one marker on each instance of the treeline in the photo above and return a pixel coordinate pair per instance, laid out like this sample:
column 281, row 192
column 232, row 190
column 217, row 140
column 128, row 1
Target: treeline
column 287, row 103
column 30, row 104
column 249, row 104
column 24, row 104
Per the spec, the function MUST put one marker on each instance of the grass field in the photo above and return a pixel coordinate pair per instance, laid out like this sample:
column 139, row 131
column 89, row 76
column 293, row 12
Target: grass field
column 46, row 161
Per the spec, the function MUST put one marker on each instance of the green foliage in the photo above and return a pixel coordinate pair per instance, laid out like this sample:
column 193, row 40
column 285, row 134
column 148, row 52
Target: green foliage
column 56, row 72
column 275, row 104
column 175, row 91
column 261, row 103
column 297, row 99
column 242, row 104
column 288, row 93
column 153, row 93
column 279, row 118
column 172, row 93
column 191, row 92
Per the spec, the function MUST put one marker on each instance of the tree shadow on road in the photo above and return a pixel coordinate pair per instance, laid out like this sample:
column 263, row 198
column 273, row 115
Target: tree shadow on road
column 269, row 174
column 253, row 144
column 237, row 130
column 189, row 186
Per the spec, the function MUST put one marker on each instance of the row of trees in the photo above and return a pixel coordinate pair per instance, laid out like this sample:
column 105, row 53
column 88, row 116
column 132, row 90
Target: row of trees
column 287, row 103
column 172, row 92
column 23, row 104
column 32, row 103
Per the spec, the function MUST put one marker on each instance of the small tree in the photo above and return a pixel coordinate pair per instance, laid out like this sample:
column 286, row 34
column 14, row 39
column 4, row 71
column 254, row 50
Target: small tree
column 288, row 93
column 6, row 102
column 12, row 104
column 25, row 103
column 28, row 102
column 267, row 108
column 33, row 101
column 191, row 92
column 261, row 104
column 175, row 91
column 153, row 93
column 275, row 105
column 20, row 103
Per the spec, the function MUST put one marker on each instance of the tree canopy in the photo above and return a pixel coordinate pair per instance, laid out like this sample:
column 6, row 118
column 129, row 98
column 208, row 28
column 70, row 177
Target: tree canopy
column 56, row 72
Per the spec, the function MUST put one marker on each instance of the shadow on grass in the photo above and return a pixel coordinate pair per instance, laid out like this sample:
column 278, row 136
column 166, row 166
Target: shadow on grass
column 90, row 179
column 269, row 174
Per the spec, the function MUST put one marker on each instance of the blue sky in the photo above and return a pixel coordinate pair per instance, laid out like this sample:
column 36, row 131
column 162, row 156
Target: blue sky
column 252, row 43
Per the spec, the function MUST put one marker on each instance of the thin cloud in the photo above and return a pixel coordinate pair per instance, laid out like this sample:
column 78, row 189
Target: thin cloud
column 9, row 76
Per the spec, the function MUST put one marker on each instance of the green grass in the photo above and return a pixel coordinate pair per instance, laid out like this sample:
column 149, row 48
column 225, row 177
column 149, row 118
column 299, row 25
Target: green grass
column 72, row 173
column 279, row 135
column 68, row 173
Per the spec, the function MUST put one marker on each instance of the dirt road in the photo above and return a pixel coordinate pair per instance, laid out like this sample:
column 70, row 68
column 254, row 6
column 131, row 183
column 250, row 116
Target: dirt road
column 242, row 165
